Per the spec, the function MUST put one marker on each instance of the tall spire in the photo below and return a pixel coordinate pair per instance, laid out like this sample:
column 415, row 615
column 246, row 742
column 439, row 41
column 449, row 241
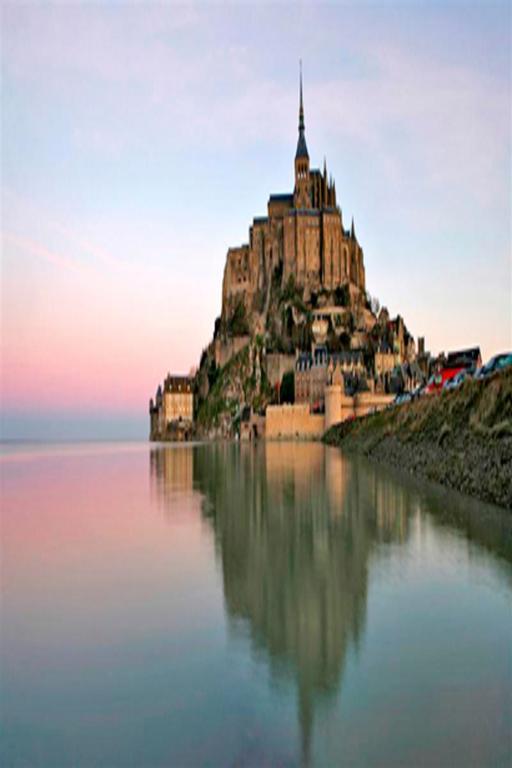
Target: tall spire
column 302, row 150
column 301, row 105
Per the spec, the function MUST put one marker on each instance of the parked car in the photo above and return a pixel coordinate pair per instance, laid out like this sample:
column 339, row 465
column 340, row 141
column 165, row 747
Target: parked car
column 437, row 380
column 496, row 363
column 405, row 397
column 457, row 380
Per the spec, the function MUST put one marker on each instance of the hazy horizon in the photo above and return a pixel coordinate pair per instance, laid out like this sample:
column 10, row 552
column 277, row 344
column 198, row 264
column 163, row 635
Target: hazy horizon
column 138, row 142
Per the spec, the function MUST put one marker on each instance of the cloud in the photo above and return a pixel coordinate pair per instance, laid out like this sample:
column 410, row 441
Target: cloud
column 41, row 252
column 31, row 216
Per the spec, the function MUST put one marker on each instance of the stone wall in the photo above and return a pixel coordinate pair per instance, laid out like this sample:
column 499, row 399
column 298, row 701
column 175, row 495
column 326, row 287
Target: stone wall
column 292, row 421
column 178, row 405
column 366, row 402
column 295, row 421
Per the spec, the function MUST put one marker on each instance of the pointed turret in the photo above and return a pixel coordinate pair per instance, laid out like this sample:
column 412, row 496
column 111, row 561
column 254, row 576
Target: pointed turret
column 353, row 230
column 325, row 185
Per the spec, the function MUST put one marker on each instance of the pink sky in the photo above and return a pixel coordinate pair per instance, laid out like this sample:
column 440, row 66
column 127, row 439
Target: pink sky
column 130, row 164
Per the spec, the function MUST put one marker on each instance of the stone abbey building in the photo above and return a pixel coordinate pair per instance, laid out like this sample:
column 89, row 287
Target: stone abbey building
column 302, row 237
column 294, row 304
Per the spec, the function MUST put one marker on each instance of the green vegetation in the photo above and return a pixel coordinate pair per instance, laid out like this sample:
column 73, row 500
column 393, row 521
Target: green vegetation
column 237, row 324
column 239, row 383
column 342, row 296
column 218, row 402
column 289, row 291
column 287, row 390
column 213, row 373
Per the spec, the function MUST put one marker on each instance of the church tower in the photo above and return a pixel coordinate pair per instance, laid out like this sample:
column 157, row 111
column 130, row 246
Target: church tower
column 301, row 197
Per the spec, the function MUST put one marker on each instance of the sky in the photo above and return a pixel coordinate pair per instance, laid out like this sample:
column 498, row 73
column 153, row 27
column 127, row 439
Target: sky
column 139, row 140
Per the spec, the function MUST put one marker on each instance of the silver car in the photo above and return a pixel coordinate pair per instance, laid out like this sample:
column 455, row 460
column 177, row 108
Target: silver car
column 496, row 363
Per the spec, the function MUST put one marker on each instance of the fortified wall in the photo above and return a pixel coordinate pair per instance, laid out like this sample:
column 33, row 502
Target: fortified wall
column 296, row 421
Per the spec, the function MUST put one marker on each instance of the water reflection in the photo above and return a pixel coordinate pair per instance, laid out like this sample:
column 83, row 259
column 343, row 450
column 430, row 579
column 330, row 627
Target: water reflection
column 294, row 527
column 145, row 614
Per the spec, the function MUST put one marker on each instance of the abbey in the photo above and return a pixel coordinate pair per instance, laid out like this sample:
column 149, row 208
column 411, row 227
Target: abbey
column 302, row 239
column 300, row 344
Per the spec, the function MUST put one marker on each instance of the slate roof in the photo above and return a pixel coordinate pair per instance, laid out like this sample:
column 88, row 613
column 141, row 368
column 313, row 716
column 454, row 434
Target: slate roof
column 302, row 150
column 177, row 384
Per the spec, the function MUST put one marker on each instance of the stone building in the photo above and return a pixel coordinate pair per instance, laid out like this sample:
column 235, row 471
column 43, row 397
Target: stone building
column 313, row 371
column 172, row 411
column 296, row 293
column 302, row 238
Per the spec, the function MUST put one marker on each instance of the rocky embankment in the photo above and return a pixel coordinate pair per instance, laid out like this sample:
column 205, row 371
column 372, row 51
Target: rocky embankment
column 462, row 439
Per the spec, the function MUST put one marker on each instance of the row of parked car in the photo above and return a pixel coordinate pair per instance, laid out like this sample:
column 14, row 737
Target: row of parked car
column 452, row 378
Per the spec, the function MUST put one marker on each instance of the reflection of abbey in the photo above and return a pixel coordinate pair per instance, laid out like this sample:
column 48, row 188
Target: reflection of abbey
column 294, row 550
column 297, row 326
column 302, row 238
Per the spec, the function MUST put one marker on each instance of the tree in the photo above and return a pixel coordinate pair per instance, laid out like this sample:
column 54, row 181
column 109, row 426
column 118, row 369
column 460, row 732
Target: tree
column 213, row 373
column 342, row 296
column 288, row 387
column 238, row 325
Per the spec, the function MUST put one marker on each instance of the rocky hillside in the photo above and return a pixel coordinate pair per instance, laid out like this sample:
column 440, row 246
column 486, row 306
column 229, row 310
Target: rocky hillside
column 461, row 439
column 283, row 315
column 223, row 393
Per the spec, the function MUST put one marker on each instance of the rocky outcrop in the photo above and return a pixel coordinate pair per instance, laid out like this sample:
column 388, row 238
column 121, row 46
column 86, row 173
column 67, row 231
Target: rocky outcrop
column 225, row 393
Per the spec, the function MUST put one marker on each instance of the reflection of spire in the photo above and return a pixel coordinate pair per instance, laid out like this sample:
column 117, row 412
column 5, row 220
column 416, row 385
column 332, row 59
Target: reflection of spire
column 306, row 716
column 283, row 561
column 295, row 556
column 294, row 526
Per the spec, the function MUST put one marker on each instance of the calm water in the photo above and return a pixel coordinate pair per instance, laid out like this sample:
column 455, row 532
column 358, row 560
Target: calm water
column 236, row 606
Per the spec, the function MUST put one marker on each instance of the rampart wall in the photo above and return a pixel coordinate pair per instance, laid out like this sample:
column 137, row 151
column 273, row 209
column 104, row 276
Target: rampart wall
column 291, row 421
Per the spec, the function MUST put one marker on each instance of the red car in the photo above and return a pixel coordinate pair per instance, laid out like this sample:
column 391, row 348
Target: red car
column 437, row 380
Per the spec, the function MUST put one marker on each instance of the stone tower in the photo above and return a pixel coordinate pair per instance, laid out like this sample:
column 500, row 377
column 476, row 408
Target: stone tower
column 301, row 194
column 302, row 239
